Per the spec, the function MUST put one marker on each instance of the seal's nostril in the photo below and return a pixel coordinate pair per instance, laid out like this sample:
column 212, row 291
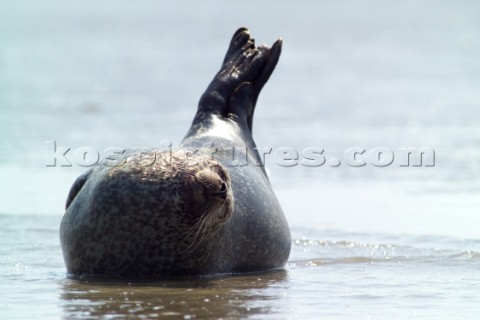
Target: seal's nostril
column 223, row 191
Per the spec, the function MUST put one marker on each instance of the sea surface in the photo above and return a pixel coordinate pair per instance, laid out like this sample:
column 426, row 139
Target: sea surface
column 369, row 242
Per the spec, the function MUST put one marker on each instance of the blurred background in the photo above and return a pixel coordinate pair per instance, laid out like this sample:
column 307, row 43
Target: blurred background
column 352, row 74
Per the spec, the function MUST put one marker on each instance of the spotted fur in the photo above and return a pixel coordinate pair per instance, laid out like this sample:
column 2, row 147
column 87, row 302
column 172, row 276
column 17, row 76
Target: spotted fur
column 169, row 213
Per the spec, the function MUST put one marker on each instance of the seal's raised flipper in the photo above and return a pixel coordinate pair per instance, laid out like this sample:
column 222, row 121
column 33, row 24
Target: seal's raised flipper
column 262, row 78
column 243, row 63
column 241, row 40
column 241, row 102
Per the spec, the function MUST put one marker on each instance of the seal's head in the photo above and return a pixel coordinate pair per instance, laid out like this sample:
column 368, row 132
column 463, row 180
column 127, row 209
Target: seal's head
column 155, row 206
column 192, row 193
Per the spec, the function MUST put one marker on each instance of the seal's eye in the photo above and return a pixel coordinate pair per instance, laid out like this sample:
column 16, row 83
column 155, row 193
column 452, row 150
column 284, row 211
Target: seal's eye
column 223, row 188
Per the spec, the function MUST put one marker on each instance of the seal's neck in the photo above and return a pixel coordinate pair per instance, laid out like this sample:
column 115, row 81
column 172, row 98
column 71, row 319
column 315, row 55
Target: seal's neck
column 226, row 131
column 228, row 136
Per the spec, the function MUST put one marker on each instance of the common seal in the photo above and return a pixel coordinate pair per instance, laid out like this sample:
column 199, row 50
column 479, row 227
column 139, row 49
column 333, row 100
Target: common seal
column 190, row 211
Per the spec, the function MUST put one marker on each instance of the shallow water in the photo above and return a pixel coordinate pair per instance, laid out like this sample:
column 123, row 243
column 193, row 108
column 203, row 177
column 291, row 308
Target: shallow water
column 369, row 242
column 340, row 275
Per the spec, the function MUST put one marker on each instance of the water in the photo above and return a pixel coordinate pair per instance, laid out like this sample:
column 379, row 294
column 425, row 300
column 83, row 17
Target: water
column 366, row 276
column 369, row 242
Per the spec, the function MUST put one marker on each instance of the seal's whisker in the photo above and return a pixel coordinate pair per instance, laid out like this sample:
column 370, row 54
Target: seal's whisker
column 202, row 231
column 204, row 228
column 195, row 231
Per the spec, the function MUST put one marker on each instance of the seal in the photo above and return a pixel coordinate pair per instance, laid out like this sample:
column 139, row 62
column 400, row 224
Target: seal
column 191, row 211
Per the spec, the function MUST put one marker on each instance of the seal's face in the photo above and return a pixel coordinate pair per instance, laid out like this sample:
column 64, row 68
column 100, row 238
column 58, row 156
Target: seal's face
column 173, row 199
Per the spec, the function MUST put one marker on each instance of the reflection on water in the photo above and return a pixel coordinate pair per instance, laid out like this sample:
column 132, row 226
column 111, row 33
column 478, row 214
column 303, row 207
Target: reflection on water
column 235, row 296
